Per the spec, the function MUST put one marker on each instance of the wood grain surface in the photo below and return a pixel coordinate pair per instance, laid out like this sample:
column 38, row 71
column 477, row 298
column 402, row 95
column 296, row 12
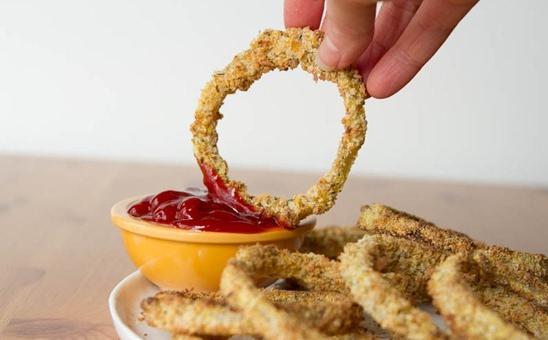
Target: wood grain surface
column 60, row 256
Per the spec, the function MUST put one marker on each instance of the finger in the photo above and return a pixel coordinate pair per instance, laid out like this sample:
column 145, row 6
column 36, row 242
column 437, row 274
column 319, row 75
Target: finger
column 348, row 27
column 429, row 28
column 302, row 13
column 390, row 23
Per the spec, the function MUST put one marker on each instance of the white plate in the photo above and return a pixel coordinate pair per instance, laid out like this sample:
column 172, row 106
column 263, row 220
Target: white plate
column 124, row 303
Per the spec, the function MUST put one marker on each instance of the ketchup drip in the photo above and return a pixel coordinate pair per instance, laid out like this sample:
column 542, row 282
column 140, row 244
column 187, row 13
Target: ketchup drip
column 219, row 208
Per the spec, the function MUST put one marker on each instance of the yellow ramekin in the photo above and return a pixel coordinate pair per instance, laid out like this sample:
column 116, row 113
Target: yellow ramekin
column 183, row 259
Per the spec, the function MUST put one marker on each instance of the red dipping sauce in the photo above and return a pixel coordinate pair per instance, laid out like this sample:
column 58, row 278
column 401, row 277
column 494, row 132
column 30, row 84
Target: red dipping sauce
column 218, row 209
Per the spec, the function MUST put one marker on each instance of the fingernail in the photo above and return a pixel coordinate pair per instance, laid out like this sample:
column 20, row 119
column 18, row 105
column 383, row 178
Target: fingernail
column 328, row 55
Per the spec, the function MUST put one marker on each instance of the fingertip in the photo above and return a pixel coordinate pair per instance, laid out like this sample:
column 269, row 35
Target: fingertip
column 378, row 86
column 377, row 92
column 303, row 13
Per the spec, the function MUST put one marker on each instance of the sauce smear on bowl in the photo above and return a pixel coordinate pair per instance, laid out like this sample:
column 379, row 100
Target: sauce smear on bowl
column 217, row 208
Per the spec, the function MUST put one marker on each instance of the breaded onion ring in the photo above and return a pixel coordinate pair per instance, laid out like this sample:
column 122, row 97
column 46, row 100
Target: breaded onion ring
column 310, row 271
column 272, row 322
column 281, row 50
column 330, row 241
column 460, row 307
column 378, row 218
column 524, row 273
column 208, row 313
column 377, row 296
column 514, row 308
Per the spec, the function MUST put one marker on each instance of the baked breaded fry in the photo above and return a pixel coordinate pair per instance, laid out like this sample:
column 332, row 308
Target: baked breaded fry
column 271, row 322
column 378, row 218
column 514, row 308
column 330, row 241
column 310, row 271
column 527, row 274
column 331, row 313
column 461, row 308
column 524, row 273
column 377, row 296
column 185, row 312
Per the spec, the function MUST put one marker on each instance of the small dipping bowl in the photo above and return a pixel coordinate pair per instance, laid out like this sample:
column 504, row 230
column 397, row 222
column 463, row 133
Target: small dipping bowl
column 180, row 259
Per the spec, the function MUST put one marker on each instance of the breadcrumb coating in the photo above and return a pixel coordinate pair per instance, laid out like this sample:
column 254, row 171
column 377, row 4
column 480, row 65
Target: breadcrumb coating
column 282, row 50
column 460, row 307
column 310, row 271
column 378, row 218
column 330, row 241
column 270, row 321
column 378, row 297
column 209, row 314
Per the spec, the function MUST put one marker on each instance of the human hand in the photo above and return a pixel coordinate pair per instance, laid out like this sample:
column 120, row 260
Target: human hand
column 389, row 49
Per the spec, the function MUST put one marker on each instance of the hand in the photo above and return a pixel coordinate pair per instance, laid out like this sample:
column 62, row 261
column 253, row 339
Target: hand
column 389, row 49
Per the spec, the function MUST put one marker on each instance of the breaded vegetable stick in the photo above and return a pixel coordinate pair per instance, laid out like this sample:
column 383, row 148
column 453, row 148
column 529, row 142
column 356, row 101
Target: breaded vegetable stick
column 264, row 317
column 460, row 307
column 184, row 313
column 330, row 241
column 524, row 273
column 270, row 321
column 514, row 308
column 311, row 271
column 378, row 297
column 208, row 313
column 378, row 218
column 527, row 274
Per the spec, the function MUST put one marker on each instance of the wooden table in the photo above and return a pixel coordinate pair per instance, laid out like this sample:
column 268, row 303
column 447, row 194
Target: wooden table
column 60, row 256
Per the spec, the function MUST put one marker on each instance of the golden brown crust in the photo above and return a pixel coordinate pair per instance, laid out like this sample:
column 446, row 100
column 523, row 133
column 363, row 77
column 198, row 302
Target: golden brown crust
column 377, row 218
column 377, row 296
column 482, row 291
column 330, row 241
column 524, row 273
column 310, row 271
column 460, row 307
column 271, row 322
column 193, row 313
column 188, row 312
column 514, row 308
column 282, row 50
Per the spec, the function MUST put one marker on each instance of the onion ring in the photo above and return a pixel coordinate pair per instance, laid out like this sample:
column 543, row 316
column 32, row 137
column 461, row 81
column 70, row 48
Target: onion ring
column 271, row 322
column 310, row 271
column 330, row 241
column 377, row 296
column 378, row 218
column 188, row 312
column 281, row 50
column 460, row 307
column 514, row 308
column 524, row 273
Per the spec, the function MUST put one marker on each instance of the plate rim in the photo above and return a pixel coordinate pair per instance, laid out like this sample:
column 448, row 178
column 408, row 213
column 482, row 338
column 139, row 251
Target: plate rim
column 113, row 306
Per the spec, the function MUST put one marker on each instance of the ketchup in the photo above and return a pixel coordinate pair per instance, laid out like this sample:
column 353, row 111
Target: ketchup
column 217, row 208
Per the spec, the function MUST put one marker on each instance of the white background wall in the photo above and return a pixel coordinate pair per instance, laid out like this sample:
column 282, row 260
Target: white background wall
column 120, row 79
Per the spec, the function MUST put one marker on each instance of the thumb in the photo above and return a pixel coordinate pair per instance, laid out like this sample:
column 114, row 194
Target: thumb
column 348, row 27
